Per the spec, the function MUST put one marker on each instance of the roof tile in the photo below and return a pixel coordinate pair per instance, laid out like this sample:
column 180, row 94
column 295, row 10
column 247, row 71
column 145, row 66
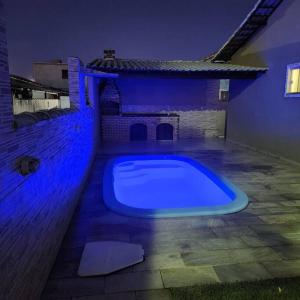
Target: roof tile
column 118, row 65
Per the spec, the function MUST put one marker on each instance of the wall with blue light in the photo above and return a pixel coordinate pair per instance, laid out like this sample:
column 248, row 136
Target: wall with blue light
column 258, row 114
column 176, row 92
column 35, row 210
column 194, row 98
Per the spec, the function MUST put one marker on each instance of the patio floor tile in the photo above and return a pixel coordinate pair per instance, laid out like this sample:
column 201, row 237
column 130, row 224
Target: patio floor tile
column 68, row 287
column 288, row 252
column 265, row 239
column 145, row 280
column 221, row 257
column 240, row 272
column 280, row 219
column 117, row 296
column 285, row 268
column 293, row 237
column 220, row 243
column 160, row 261
column 153, row 295
column 188, row 276
column 233, row 231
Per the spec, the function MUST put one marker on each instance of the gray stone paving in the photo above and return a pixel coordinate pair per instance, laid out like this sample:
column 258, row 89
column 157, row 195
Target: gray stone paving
column 262, row 241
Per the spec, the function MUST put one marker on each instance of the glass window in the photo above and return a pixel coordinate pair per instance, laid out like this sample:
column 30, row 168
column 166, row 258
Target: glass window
column 293, row 80
column 224, row 90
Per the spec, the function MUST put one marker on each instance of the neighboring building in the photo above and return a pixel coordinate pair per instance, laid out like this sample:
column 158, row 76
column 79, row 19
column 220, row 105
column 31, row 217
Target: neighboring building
column 53, row 73
column 265, row 113
column 188, row 95
column 30, row 96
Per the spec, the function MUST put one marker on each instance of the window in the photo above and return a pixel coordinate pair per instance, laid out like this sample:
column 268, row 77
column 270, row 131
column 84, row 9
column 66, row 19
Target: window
column 224, row 90
column 64, row 74
column 292, row 87
column 50, row 95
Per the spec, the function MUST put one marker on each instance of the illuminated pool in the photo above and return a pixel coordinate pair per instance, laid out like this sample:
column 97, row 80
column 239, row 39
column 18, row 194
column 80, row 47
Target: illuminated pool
column 158, row 186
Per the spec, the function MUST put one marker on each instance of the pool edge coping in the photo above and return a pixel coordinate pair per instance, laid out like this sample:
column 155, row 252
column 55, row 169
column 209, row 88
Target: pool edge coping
column 240, row 203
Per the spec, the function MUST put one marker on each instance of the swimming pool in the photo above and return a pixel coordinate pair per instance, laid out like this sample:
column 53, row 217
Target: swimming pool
column 156, row 186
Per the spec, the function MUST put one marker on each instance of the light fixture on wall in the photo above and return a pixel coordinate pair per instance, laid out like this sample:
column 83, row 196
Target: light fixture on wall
column 27, row 165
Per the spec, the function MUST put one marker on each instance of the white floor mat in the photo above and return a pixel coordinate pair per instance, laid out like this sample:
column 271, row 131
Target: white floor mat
column 104, row 257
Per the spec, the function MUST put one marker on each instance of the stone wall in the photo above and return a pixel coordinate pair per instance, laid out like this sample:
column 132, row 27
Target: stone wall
column 35, row 210
column 117, row 128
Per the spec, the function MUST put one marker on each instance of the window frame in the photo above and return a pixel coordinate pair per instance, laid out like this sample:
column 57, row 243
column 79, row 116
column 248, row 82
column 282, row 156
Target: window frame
column 287, row 81
column 222, row 89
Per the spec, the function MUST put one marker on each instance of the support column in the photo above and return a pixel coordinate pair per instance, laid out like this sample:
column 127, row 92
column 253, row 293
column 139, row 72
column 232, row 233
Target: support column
column 76, row 82
column 6, row 109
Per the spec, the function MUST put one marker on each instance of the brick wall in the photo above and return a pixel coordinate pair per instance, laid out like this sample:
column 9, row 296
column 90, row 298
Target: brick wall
column 35, row 210
column 195, row 101
column 6, row 99
column 109, row 91
column 193, row 122
column 201, row 123
column 117, row 128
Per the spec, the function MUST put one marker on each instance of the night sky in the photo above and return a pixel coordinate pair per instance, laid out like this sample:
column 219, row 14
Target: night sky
column 40, row 30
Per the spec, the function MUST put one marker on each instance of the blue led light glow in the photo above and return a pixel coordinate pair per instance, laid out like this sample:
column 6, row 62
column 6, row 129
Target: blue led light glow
column 168, row 186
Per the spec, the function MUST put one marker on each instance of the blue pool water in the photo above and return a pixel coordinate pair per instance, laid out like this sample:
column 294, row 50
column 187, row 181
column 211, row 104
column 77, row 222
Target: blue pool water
column 168, row 186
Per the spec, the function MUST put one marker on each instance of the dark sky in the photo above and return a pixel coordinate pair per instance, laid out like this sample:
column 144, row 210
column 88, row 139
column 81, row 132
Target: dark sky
column 39, row 30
